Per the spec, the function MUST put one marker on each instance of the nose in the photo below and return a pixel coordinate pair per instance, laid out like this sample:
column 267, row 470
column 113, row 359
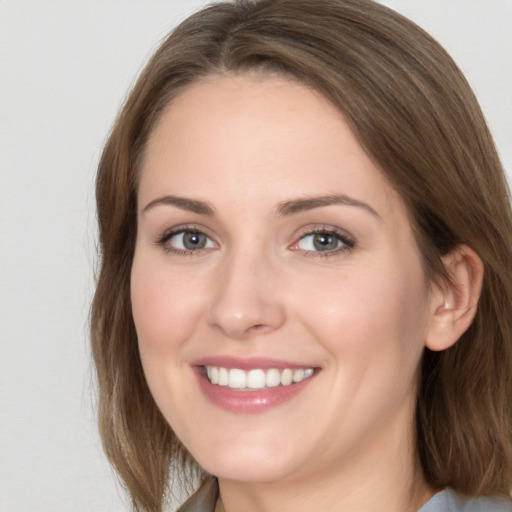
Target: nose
column 245, row 300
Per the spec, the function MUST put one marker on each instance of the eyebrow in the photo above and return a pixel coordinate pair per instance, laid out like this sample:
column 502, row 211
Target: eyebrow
column 309, row 203
column 191, row 205
column 284, row 208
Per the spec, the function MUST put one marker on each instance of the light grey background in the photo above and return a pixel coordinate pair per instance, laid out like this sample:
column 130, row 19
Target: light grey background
column 65, row 67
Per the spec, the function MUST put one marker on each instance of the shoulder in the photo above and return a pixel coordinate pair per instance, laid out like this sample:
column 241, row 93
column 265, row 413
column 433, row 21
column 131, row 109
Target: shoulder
column 450, row 501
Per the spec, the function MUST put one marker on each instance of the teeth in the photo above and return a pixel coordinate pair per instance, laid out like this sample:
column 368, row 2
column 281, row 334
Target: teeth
column 298, row 375
column 286, row 377
column 237, row 379
column 256, row 379
column 213, row 374
column 223, row 377
column 273, row 378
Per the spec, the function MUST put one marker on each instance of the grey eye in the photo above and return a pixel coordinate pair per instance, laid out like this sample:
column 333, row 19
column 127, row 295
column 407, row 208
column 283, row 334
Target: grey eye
column 190, row 241
column 320, row 242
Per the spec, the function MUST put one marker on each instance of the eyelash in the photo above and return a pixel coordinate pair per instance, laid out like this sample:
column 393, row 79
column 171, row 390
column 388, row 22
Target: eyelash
column 343, row 237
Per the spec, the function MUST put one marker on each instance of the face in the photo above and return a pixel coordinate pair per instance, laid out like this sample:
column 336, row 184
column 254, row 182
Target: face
column 277, row 289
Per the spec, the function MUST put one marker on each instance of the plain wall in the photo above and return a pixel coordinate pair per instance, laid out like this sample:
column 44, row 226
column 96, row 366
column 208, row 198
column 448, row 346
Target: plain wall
column 65, row 67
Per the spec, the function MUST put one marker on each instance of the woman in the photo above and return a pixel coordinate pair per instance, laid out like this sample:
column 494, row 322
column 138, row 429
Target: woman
column 305, row 286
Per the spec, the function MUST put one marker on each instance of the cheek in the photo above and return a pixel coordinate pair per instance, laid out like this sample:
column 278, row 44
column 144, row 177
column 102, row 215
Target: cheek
column 165, row 308
column 372, row 325
column 165, row 315
column 372, row 312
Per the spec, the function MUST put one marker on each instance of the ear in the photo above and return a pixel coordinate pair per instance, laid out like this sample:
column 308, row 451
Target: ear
column 454, row 301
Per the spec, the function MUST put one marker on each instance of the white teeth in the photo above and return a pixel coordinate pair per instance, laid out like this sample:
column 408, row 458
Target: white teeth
column 256, row 379
column 286, row 377
column 273, row 378
column 213, row 374
column 223, row 377
column 235, row 378
column 298, row 375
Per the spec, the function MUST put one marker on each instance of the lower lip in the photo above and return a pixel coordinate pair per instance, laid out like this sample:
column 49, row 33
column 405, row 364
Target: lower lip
column 249, row 401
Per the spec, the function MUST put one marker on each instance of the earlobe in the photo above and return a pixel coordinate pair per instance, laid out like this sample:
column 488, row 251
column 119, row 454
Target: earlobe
column 454, row 302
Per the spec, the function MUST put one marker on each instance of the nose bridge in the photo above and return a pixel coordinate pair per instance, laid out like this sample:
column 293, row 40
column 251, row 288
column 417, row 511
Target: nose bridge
column 245, row 301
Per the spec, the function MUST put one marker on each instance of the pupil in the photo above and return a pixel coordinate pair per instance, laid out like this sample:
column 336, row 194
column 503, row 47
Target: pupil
column 325, row 242
column 193, row 240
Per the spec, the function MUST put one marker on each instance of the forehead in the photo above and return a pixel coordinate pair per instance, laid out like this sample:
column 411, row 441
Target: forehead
column 257, row 137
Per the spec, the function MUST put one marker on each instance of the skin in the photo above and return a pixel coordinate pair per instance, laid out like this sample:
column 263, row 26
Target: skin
column 362, row 315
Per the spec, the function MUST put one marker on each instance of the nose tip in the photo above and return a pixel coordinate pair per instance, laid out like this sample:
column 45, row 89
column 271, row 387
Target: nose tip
column 244, row 304
column 245, row 318
column 240, row 325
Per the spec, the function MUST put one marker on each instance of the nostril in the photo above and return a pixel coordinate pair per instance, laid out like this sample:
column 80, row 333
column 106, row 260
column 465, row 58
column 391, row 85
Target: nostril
column 259, row 327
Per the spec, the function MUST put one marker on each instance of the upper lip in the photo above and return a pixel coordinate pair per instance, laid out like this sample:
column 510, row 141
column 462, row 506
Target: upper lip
column 248, row 363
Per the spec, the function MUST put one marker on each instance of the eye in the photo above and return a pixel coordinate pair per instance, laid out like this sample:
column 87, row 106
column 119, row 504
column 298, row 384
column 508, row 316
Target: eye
column 319, row 242
column 325, row 241
column 186, row 241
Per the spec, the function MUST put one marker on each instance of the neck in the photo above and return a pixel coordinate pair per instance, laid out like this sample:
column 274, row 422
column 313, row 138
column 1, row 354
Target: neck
column 323, row 497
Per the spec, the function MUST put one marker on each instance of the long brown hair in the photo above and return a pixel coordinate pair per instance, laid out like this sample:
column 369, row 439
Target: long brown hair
column 414, row 113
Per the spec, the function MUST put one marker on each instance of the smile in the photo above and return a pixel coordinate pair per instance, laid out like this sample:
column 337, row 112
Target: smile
column 252, row 385
column 256, row 379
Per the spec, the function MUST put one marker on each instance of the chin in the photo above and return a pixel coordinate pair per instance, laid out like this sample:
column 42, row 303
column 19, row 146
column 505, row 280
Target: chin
column 248, row 464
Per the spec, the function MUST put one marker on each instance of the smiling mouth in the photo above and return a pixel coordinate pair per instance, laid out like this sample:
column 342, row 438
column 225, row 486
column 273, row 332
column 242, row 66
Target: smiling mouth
column 256, row 379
